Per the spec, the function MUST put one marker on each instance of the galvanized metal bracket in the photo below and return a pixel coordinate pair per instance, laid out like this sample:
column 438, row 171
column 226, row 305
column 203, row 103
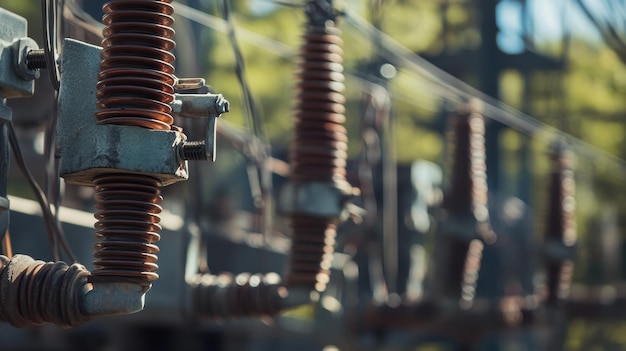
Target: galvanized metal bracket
column 210, row 106
column 13, row 43
column 87, row 149
column 109, row 299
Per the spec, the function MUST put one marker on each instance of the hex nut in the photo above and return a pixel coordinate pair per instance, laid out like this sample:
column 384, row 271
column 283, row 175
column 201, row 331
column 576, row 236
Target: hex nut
column 22, row 47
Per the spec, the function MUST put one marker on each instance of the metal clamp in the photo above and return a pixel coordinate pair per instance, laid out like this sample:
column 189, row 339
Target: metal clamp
column 88, row 149
column 15, row 78
column 200, row 106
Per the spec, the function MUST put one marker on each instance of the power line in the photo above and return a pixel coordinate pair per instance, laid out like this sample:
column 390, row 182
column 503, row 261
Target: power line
column 221, row 25
column 493, row 108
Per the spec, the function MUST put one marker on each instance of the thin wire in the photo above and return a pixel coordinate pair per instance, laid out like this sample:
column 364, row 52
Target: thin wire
column 53, row 229
column 49, row 15
column 53, row 180
column 250, row 109
column 255, row 123
column 6, row 244
column 493, row 108
column 53, row 11
column 221, row 25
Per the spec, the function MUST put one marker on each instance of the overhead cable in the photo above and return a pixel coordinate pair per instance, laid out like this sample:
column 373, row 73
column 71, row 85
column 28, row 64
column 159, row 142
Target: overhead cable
column 221, row 25
column 493, row 108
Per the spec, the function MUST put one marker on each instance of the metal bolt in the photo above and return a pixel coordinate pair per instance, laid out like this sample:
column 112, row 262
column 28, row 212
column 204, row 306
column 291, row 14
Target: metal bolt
column 193, row 151
column 23, row 47
column 36, row 59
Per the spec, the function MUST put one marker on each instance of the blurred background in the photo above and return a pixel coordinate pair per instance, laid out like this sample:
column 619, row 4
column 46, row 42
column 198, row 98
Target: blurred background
column 545, row 70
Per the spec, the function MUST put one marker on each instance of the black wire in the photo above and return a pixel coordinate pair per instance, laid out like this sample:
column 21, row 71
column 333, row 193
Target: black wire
column 53, row 12
column 53, row 229
column 49, row 15
column 52, row 179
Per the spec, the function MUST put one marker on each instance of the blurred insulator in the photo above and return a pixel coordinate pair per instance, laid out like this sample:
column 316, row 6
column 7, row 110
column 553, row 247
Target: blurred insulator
column 467, row 193
column 560, row 236
column 318, row 169
column 464, row 223
column 226, row 296
column 319, row 151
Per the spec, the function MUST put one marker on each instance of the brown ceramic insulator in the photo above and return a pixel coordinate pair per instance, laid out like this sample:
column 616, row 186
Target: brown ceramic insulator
column 135, row 84
column 37, row 292
column 561, row 226
column 311, row 253
column 128, row 224
column 319, row 150
column 468, row 177
column 465, row 202
column 226, row 296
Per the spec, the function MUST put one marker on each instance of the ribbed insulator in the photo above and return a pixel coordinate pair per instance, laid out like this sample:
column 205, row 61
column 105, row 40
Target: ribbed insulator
column 311, row 253
column 465, row 204
column 468, row 176
column 561, row 227
column 135, row 88
column 319, row 152
column 136, row 77
column 37, row 292
column 245, row 295
column 128, row 224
